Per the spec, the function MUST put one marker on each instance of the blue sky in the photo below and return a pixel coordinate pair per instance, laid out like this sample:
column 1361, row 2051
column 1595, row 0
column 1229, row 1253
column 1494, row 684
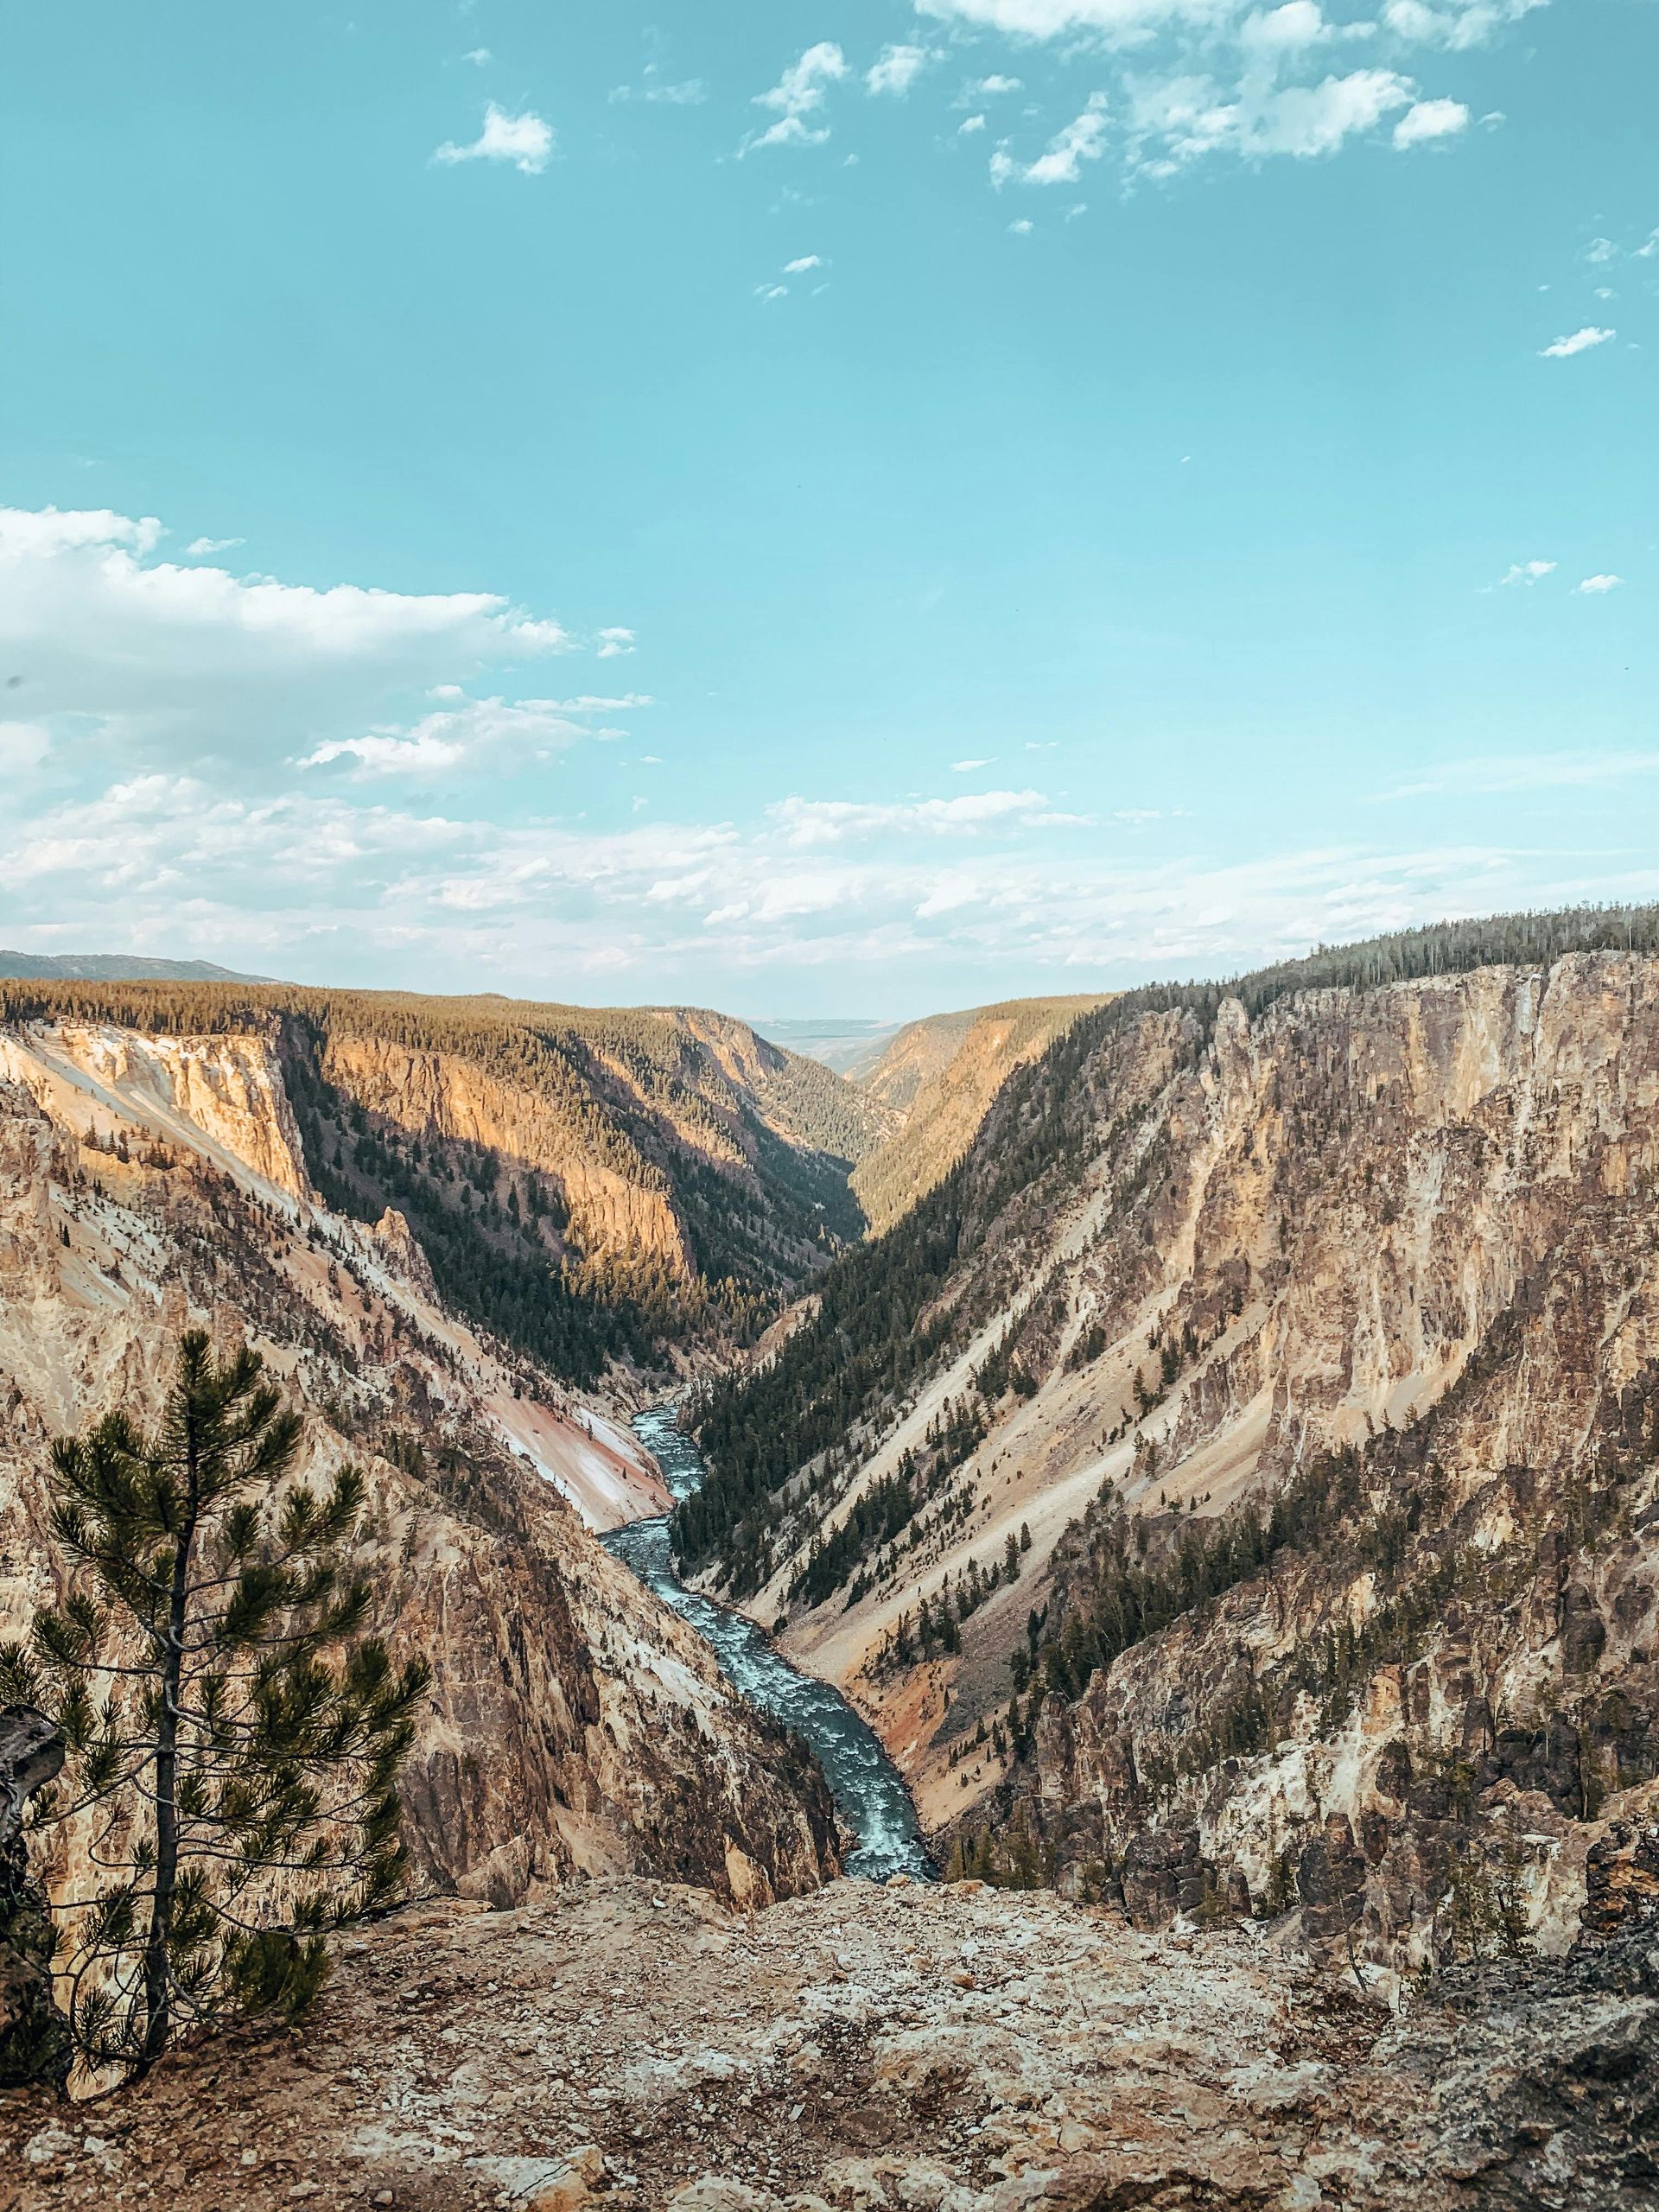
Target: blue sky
column 842, row 508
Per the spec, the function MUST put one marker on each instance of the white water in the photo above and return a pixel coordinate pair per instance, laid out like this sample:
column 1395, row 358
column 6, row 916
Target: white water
column 870, row 1795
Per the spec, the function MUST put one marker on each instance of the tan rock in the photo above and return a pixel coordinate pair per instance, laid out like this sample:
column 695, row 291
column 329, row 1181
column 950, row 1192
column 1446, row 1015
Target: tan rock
column 572, row 2186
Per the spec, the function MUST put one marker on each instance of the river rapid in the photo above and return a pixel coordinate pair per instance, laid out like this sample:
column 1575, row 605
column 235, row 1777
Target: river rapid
column 869, row 1794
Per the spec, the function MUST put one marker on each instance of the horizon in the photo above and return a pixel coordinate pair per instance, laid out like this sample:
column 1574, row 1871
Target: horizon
column 899, row 506
column 847, row 1028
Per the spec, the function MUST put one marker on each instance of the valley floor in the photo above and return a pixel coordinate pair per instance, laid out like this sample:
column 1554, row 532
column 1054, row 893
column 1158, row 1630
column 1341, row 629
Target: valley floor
column 943, row 2049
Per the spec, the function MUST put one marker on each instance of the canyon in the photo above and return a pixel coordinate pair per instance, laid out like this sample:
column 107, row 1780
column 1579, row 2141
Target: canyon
column 1209, row 1434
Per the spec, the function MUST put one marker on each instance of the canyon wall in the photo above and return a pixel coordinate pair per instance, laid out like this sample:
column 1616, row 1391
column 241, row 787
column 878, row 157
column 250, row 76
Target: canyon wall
column 624, row 1195
column 1386, row 1259
column 574, row 1725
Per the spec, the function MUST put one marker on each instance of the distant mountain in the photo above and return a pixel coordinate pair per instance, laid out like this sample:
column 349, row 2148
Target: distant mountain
column 940, row 1074
column 115, row 968
column 849, row 1047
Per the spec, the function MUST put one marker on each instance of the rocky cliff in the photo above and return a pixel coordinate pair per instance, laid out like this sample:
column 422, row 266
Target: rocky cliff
column 1268, row 1403
column 606, row 1190
column 574, row 1725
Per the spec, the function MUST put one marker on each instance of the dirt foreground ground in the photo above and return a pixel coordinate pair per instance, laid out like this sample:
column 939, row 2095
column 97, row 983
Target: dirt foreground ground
column 943, row 2049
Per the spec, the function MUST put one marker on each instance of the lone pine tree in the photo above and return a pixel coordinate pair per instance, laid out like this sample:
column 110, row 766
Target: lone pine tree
column 234, row 1736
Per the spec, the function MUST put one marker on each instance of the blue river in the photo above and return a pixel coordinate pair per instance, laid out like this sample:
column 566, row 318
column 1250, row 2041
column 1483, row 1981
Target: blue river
column 869, row 1795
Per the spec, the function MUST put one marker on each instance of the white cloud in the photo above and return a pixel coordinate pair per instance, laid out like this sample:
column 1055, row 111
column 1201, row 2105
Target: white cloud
column 1580, row 342
column 1306, row 120
column 1600, row 252
column 1648, row 252
column 480, row 732
column 322, row 880
column 690, row 92
column 29, row 533
column 765, row 293
column 314, row 882
column 972, row 122
column 992, row 87
column 615, row 641
column 1288, row 29
column 789, row 131
column 1227, row 77
column 1082, row 140
column 1187, row 118
column 200, row 545
column 897, row 69
column 1022, row 226
column 479, row 56
column 967, row 767
column 1528, row 572
column 1596, row 585
column 627, row 702
column 833, row 822
column 53, row 559
column 1458, row 25
column 1427, row 120
column 524, row 140
column 802, row 263
column 186, row 661
column 1121, row 19
column 1537, row 771
column 798, row 93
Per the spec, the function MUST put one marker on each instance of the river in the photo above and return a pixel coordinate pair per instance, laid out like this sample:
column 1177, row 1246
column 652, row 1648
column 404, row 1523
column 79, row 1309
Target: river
column 868, row 1792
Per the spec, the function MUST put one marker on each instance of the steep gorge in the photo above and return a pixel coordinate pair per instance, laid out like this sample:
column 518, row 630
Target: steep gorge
column 1384, row 1255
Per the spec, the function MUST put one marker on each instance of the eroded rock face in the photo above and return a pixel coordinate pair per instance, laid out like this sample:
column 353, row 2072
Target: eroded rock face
column 615, row 1205
column 403, row 1254
column 574, row 1726
column 222, row 1095
column 896, row 2049
column 1417, row 1226
column 1543, row 2076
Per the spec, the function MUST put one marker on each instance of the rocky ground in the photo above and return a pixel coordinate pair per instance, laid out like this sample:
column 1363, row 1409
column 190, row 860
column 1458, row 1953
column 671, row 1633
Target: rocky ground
column 945, row 2049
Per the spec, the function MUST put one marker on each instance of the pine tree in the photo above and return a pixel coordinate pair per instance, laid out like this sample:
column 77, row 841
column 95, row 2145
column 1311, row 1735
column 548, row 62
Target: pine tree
column 235, row 1739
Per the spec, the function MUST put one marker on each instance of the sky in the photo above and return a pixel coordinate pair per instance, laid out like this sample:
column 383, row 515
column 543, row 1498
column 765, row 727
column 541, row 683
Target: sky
column 827, row 508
